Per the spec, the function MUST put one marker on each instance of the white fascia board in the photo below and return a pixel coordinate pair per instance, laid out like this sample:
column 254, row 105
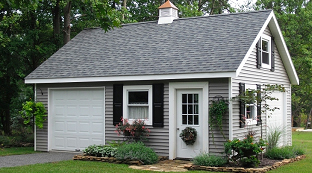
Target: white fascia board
column 281, row 45
column 283, row 50
column 133, row 78
column 239, row 69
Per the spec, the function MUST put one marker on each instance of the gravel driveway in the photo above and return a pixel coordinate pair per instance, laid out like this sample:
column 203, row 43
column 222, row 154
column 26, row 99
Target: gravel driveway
column 28, row 159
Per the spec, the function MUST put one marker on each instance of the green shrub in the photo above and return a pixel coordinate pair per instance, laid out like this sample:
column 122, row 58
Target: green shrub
column 273, row 137
column 100, row 151
column 204, row 159
column 137, row 151
column 284, row 153
column 251, row 161
column 116, row 144
column 5, row 141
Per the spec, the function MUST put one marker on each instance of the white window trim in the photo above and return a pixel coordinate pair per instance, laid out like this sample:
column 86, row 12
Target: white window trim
column 266, row 38
column 128, row 88
column 250, row 121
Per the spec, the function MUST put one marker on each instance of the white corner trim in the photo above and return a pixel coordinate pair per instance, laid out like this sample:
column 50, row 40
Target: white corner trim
column 230, row 111
column 283, row 50
column 35, row 128
column 134, row 78
column 173, row 86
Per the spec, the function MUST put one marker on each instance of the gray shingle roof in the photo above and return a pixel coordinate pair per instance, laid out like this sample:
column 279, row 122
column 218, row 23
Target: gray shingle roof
column 191, row 45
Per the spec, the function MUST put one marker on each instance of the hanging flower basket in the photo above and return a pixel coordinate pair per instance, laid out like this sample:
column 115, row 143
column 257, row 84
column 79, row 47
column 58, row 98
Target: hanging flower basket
column 189, row 135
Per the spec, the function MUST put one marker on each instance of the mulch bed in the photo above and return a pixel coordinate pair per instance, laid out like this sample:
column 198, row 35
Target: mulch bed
column 265, row 165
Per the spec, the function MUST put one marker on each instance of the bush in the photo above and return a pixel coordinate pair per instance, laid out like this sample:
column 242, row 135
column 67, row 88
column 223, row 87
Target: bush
column 5, row 141
column 204, row 159
column 137, row 151
column 284, row 153
column 273, row 137
column 100, row 151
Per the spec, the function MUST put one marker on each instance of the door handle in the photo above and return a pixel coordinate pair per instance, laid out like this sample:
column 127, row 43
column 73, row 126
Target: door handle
column 178, row 129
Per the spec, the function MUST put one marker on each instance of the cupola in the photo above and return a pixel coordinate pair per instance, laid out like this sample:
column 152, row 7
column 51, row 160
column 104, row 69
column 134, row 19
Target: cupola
column 167, row 13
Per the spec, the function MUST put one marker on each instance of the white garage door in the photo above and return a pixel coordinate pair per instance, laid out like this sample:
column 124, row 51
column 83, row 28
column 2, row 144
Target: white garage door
column 76, row 118
column 278, row 117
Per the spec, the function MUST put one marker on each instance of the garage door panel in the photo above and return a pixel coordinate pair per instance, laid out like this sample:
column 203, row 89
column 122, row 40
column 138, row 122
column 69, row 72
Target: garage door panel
column 77, row 118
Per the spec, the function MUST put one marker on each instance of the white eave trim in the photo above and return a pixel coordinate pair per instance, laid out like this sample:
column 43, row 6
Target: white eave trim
column 281, row 45
column 133, row 78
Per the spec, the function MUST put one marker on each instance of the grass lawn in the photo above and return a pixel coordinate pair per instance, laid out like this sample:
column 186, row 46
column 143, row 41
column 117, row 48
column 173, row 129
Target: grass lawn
column 16, row 151
column 301, row 139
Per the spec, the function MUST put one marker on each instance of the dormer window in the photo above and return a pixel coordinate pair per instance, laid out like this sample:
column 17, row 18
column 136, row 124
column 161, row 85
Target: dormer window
column 266, row 51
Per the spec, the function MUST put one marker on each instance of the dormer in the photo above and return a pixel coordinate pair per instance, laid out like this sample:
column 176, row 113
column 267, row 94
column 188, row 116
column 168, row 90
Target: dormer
column 167, row 13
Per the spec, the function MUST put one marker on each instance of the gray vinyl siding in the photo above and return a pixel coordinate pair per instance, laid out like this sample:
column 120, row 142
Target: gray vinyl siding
column 251, row 75
column 42, row 134
column 218, row 88
column 159, row 137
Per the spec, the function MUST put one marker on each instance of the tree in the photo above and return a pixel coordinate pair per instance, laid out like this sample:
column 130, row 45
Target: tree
column 295, row 20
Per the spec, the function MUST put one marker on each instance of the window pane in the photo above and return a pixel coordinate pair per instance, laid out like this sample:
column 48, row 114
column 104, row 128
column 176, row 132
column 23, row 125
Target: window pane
column 195, row 119
column 195, row 98
column 265, row 58
column 190, row 109
column 138, row 97
column 190, row 98
column 190, row 119
column 184, row 98
column 265, row 45
column 138, row 112
column 184, row 109
column 250, row 111
column 184, row 119
column 195, row 109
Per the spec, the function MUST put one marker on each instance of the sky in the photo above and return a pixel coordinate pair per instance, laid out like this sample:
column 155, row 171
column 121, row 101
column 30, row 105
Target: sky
column 237, row 3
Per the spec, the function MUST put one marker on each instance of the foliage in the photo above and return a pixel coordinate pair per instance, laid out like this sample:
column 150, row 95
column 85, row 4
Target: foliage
column 295, row 21
column 189, row 10
column 244, row 151
column 251, row 96
column 34, row 110
column 217, row 111
column 137, row 130
column 189, row 135
column 205, row 159
column 251, row 161
column 100, row 151
column 116, row 144
column 16, row 151
column 273, row 137
column 284, row 152
column 137, row 151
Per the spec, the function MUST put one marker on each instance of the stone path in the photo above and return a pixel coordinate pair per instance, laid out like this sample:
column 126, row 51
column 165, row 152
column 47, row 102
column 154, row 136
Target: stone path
column 165, row 166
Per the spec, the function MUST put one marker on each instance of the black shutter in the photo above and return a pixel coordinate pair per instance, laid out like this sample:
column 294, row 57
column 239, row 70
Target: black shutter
column 259, row 120
column 117, row 103
column 272, row 54
column 259, row 53
column 242, row 106
column 158, row 105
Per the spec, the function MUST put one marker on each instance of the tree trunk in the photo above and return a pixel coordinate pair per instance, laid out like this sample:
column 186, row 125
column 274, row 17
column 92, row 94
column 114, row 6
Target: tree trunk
column 124, row 5
column 56, row 12
column 67, row 9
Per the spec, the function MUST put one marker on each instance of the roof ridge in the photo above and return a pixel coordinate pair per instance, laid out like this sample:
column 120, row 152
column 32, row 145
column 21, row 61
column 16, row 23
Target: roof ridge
column 188, row 18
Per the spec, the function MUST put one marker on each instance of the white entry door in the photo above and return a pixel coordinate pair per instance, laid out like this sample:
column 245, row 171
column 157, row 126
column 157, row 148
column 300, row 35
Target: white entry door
column 277, row 118
column 189, row 114
column 76, row 118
